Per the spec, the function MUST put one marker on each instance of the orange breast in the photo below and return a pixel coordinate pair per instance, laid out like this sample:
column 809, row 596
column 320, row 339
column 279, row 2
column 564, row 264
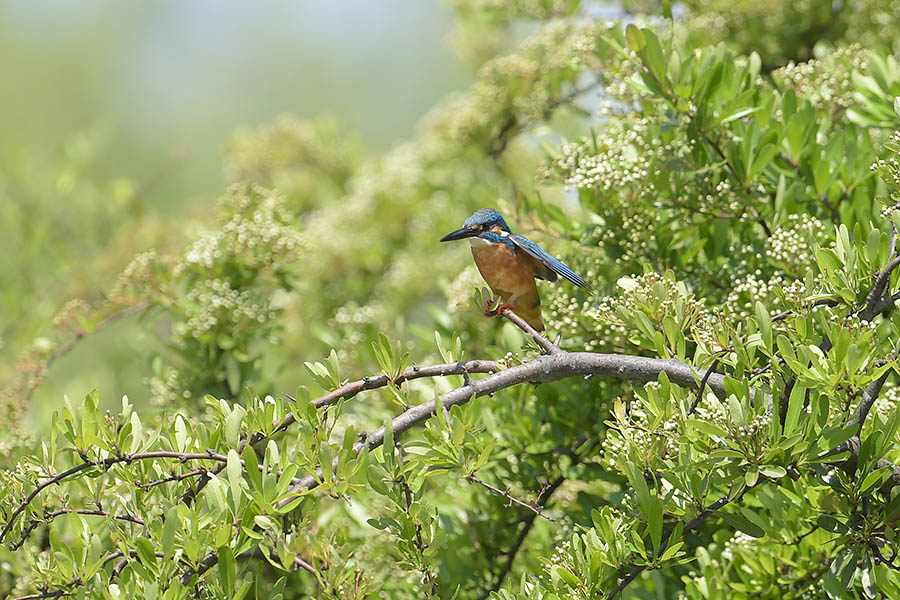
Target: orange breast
column 510, row 274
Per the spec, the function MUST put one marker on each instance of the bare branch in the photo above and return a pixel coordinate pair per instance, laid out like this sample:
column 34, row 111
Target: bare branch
column 54, row 594
column 543, row 369
column 175, row 477
column 48, row 518
column 348, row 390
column 703, row 382
column 869, row 396
column 546, row 345
column 106, row 463
column 109, row 320
column 876, row 292
column 536, row 508
column 528, row 524
column 530, row 519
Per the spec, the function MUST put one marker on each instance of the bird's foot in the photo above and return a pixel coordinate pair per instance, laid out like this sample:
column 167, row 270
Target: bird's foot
column 495, row 311
column 501, row 308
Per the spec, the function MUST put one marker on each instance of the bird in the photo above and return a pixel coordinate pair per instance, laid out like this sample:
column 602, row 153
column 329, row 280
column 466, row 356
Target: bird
column 510, row 263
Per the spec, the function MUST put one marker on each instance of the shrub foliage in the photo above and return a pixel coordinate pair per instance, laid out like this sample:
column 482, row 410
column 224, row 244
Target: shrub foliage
column 719, row 419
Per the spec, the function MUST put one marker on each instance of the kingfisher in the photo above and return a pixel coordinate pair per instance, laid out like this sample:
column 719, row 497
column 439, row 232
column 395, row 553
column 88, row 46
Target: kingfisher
column 509, row 263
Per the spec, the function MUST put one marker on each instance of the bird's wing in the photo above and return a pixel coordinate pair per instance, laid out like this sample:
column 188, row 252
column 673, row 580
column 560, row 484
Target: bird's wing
column 554, row 266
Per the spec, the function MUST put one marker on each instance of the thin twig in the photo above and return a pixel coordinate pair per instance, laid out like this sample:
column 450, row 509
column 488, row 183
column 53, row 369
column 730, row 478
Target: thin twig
column 530, row 519
column 79, row 335
column 546, row 345
column 174, row 477
column 54, row 594
column 537, row 509
column 702, row 387
column 48, row 518
column 879, row 285
column 106, row 463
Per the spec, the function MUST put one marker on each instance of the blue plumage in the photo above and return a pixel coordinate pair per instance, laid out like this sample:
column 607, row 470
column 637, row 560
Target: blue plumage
column 489, row 225
column 510, row 263
column 556, row 266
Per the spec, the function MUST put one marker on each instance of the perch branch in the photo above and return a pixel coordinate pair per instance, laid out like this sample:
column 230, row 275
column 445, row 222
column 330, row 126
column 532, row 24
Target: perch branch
column 349, row 390
column 546, row 368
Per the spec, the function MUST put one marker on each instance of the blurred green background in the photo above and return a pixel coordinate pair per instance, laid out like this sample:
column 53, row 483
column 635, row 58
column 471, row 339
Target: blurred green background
column 115, row 119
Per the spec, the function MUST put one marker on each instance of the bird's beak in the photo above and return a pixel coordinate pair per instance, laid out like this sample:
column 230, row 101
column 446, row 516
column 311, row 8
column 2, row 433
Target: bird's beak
column 459, row 234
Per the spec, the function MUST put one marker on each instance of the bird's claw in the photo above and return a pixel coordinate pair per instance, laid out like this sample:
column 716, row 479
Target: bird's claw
column 503, row 307
column 495, row 311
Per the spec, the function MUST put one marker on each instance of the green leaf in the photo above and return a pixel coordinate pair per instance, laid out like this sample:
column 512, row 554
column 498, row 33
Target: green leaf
column 773, row 471
column 892, row 510
column 137, row 433
column 751, row 476
column 655, row 522
column 867, row 579
column 568, row 576
column 667, row 14
column 765, row 324
column 828, row 261
column 170, row 527
column 233, row 374
column 243, row 590
column 388, row 437
column 635, row 38
column 146, row 553
column 233, row 469
column 742, row 524
column 737, row 115
column 843, row 567
column 226, row 571
column 639, row 485
column 251, row 464
column 874, row 480
column 233, row 425
column 326, row 461
column 654, row 55
column 795, row 407
column 484, row 455
column 829, row 523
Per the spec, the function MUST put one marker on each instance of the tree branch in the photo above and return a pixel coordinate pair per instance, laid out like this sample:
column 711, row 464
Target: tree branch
column 105, row 463
column 546, row 368
column 545, row 344
column 32, row 525
column 543, row 369
column 876, row 292
column 55, row 594
column 349, row 390
column 869, row 396
column 528, row 524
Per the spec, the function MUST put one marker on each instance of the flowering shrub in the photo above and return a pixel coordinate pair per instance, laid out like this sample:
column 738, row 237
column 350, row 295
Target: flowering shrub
column 716, row 421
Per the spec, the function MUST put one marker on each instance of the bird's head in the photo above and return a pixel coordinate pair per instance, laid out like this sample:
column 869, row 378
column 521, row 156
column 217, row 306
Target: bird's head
column 483, row 221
